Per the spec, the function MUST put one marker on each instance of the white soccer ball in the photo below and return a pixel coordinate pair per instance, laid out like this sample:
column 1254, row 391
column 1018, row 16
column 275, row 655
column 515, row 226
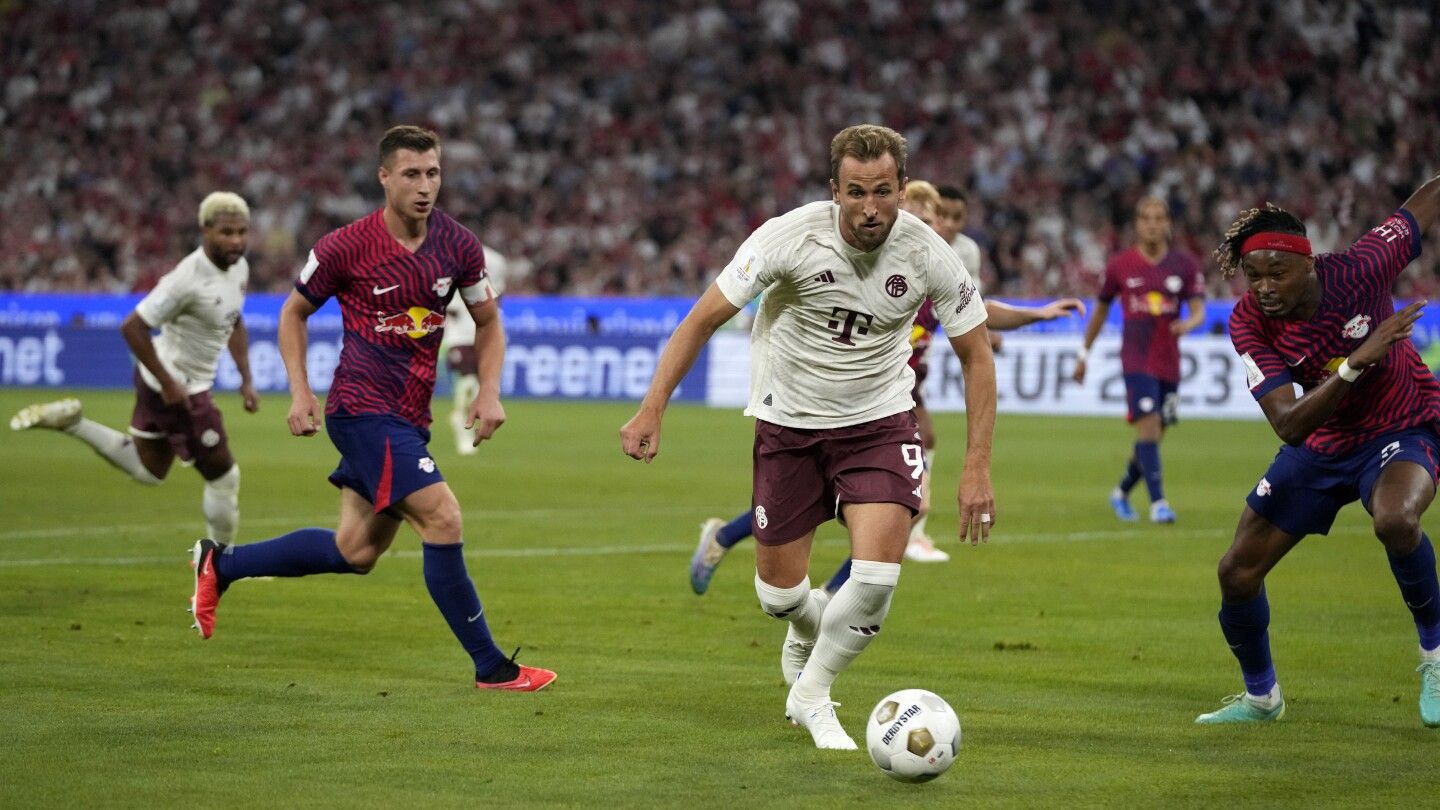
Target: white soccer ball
column 913, row 735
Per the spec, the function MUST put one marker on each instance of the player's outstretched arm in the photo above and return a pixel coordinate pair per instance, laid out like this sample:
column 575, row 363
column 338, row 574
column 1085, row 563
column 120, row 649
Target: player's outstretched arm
column 977, row 496
column 1003, row 317
column 1092, row 329
column 486, row 410
column 1295, row 419
column 640, row 437
column 240, row 351
column 304, row 417
column 1424, row 204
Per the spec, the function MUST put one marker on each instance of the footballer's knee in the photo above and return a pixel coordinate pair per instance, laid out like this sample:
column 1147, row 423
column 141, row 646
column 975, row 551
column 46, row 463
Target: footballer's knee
column 1398, row 530
column 1239, row 581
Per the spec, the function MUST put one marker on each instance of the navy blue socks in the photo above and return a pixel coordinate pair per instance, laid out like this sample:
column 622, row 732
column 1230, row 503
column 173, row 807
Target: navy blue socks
column 450, row 586
column 1246, row 626
column 734, row 531
column 1147, row 456
column 1415, row 574
column 297, row 554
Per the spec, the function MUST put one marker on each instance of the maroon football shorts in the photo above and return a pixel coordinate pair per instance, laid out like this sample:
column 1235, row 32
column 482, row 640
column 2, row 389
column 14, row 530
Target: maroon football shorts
column 803, row 475
column 194, row 430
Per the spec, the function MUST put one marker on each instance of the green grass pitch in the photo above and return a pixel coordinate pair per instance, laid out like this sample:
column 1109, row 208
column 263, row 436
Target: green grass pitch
column 1076, row 650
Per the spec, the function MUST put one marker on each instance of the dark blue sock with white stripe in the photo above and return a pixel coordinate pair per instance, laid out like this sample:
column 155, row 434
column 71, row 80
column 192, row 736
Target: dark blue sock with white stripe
column 1415, row 574
column 734, row 531
column 450, row 586
column 297, row 554
column 1247, row 630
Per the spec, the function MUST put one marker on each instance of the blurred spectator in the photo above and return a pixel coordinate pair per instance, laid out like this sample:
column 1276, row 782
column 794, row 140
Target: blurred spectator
column 626, row 147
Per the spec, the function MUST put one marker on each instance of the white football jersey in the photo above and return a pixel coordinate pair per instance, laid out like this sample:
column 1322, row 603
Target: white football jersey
column 831, row 341
column 196, row 307
column 969, row 251
column 459, row 326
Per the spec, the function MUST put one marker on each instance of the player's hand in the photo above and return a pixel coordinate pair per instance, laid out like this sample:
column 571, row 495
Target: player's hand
column 486, row 415
column 640, row 437
column 1078, row 375
column 247, row 393
column 174, row 393
column 1392, row 330
column 977, row 505
column 1178, row 328
column 1061, row 308
column 304, row 417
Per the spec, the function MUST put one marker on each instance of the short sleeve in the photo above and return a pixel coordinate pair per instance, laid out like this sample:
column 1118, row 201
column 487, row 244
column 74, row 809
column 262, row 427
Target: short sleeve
column 1196, row 286
column 474, row 281
column 1110, row 285
column 320, row 277
column 162, row 303
column 1384, row 251
column 958, row 305
column 1265, row 370
column 749, row 273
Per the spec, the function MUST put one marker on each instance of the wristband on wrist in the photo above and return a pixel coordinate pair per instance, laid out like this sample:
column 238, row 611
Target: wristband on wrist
column 1082, row 354
column 1346, row 372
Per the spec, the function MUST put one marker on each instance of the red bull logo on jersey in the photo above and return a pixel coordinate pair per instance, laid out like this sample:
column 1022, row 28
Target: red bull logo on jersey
column 416, row 322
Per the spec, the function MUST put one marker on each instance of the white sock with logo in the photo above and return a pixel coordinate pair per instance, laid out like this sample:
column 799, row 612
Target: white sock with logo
column 115, row 447
column 221, row 505
column 850, row 621
column 795, row 605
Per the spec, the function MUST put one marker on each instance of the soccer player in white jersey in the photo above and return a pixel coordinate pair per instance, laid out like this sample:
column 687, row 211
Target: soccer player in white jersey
column 197, row 308
column 459, row 350
column 830, row 389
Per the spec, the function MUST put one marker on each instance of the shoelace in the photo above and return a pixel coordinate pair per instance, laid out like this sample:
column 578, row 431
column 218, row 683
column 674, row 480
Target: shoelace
column 821, row 711
column 1430, row 677
column 1228, row 699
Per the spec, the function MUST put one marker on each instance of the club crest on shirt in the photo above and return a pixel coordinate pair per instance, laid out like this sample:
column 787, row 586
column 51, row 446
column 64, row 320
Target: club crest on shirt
column 1358, row 327
column 896, row 286
column 442, row 286
column 1173, row 284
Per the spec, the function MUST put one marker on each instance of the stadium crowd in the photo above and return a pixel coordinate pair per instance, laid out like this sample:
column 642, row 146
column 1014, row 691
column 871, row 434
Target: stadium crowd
column 626, row 147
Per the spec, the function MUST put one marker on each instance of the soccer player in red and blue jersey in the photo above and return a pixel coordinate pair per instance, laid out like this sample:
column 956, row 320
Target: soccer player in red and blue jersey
column 393, row 272
column 1364, row 427
column 1151, row 279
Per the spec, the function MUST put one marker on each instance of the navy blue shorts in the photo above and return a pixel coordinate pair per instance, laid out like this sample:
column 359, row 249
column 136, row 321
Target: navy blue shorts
column 1145, row 395
column 1303, row 490
column 382, row 457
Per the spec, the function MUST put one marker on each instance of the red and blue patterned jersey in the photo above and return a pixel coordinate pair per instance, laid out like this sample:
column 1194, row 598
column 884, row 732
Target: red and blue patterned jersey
column 922, row 333
column 1150, row 297
column 1399, row 392
column 393, row 303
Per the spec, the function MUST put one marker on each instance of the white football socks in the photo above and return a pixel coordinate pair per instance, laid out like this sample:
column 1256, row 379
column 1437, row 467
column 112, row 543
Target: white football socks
column 850, row 621
column 115, row 447
column 794, row 605
column 221, row 505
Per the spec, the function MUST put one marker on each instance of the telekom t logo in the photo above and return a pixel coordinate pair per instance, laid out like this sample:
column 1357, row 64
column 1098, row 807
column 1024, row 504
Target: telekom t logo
column 848, row 322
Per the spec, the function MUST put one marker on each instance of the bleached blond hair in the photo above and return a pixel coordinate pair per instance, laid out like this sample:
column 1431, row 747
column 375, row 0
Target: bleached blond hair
column 922, row 192
column 222, row 202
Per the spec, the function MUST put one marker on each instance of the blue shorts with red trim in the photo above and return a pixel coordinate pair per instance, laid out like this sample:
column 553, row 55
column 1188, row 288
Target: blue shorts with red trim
column 382, row 457
column 1146, row 394
column 1303, row 490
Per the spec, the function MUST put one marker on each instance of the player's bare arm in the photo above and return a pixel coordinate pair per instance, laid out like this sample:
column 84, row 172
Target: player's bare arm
column 239, row 346
column 1001, row 317
column 1294, row 419
column 1424, row 204
column 1092, row 330
column 1194, row 317
column 976, row 495
column 640, row 437
column 137, row 336
column 294, row 337
column 485, row 410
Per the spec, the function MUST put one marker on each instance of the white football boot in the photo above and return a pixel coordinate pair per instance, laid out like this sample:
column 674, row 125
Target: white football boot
column 818, row 718
column 56, row 415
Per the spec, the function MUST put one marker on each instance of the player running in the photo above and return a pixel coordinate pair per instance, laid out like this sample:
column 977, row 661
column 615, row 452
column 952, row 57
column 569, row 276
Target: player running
column 393, row 272
column 197, row 308
column 835, row 436
column 1364, row 428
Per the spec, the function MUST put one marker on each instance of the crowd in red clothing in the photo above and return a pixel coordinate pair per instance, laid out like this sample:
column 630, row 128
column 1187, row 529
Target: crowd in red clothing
column 627, row 147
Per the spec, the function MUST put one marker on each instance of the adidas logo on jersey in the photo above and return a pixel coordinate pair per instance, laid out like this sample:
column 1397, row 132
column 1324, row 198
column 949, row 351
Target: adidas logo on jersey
column 827, row 277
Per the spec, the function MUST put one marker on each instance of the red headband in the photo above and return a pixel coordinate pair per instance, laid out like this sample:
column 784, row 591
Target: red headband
column 1269, row 240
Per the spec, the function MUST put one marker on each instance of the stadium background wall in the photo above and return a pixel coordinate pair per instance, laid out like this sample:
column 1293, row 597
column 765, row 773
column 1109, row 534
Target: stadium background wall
column 606, row 349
